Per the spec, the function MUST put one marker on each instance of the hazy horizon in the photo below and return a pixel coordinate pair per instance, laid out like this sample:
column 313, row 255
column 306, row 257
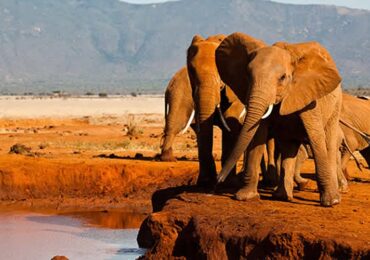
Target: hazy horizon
column 359, row 4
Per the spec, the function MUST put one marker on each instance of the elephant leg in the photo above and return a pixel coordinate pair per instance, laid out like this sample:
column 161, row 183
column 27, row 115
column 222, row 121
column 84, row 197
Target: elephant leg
column 207, row 168
column 278, row 161
column 228, row 141
column 270, row 178
column 252, row 170
column 289, row 152
column 345, row 156
column 324, row 147
column 264, row 163
column 167, row 153
column 366, row 154
column 342, row 181
column 302, row 156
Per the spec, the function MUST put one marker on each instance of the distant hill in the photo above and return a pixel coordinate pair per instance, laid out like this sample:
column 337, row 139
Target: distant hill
column 108, row 45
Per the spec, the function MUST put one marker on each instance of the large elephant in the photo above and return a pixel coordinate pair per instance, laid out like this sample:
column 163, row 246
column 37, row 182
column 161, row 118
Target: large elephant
column 300, row 85
column 179, row 111
column 215, row 103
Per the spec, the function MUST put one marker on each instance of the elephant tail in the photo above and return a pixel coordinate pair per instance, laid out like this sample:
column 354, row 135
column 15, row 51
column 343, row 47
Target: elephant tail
column 362, row 134
column 358, row 164
column 165, row 106
column 161, row 142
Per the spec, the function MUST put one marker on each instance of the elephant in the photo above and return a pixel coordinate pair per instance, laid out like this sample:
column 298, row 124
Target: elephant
column 354, row 129
column 179, row 111
column 300, row 88
column 215, row 104
column 355, row 116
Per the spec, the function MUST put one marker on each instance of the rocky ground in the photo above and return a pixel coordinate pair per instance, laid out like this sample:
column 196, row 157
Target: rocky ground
column 190, row 224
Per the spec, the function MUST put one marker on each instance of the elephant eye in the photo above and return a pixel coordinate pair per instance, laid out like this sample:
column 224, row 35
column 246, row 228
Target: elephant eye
column 282, row 77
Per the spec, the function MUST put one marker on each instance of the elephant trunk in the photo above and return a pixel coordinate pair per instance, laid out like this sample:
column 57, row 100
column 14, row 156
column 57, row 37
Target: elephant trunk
column 206, row 101
column 257, row 107
column 177, row 112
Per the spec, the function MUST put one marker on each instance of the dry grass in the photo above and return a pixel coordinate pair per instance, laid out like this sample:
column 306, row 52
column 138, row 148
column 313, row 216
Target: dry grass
column 132, row 127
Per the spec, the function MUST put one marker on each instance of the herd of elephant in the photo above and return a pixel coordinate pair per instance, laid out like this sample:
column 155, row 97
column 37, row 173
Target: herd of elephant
column 284, row 97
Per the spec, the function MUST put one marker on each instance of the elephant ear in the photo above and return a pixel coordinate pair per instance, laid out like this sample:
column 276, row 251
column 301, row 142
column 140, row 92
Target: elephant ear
column 193, row 49
column 196, row 38
column 315, row 75
column 217, row 38
column 232, row 59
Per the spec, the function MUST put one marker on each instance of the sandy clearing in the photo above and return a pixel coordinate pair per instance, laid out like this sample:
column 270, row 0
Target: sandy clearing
column 29, row 107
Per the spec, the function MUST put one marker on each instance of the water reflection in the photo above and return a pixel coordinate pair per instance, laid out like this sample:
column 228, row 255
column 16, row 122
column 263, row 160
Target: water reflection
column 110, row 219
column 82, row 235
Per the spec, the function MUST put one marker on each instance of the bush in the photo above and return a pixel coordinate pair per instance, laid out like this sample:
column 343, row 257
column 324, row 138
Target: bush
column 132, row 127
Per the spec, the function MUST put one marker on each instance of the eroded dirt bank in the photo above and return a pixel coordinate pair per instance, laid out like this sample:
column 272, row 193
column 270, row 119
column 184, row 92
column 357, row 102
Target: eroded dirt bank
column 86, row 183
column 88, row 163
column 194, row 225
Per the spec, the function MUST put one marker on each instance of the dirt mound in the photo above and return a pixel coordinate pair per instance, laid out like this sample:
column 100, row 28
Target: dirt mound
column 196, row 225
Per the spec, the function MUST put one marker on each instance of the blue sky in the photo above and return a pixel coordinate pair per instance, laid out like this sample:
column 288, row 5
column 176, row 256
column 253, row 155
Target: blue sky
column 362, row 4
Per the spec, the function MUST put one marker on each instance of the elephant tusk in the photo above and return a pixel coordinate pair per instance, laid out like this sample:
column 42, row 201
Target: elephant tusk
column 223, row 121
column 242, row 114
column 221, row 177
column 167, row 109
column 188, row 123
column 269, row 110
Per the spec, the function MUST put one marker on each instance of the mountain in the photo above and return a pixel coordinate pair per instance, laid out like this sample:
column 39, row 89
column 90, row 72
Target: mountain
column 112, row 46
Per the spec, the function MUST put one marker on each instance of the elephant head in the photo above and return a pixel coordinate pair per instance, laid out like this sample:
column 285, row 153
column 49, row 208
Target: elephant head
column 179, row 111
column 203, row 74
column 291, row 76
column 206, row 87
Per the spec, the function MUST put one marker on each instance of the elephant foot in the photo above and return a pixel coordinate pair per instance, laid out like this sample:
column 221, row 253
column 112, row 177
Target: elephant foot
column 167, row 156
column 343, row 187
column 328, row 199
column 246, row 194
column 233, row 181
column 268, row 183
column 302, row 184
column 208, row 184
column 270, row 179
column 281, row 194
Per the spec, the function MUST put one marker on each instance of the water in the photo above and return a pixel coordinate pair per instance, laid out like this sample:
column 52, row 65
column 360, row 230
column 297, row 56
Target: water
column 91, row 235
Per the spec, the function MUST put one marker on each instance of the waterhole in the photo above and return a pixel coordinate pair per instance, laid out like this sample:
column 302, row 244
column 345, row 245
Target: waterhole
column 76, row 235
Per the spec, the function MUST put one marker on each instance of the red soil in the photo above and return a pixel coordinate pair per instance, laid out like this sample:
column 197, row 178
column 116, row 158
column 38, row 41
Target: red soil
column 89, row 164
column 193, row 225
column 86, row 164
